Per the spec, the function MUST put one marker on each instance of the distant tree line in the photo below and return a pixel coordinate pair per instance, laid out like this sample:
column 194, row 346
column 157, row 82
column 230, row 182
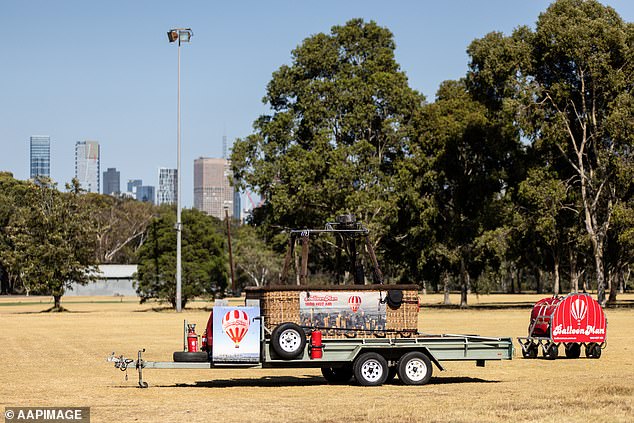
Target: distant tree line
column 519, row 176
column 50, row 239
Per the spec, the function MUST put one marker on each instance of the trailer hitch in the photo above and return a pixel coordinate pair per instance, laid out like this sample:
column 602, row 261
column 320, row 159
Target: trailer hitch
column 122, row 363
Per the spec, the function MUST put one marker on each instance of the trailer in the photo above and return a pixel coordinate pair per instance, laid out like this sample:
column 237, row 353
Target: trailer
column 241, row 340
column 368, row 332
column 576, row 321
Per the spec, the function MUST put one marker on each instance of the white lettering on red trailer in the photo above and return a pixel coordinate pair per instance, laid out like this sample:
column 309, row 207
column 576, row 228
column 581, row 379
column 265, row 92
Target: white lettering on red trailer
column 569, row 330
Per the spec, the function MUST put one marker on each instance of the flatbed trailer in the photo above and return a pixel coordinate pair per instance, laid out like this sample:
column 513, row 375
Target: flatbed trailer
column 372, row 361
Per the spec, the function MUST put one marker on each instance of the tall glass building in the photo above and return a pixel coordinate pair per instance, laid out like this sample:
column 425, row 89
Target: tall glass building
column 87, row 165
column 111, row 181
column 167, row 188
column 212, row 187
column 40, row 156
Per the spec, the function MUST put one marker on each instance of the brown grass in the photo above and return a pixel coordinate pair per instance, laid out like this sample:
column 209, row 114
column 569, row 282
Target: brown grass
column 59, row 360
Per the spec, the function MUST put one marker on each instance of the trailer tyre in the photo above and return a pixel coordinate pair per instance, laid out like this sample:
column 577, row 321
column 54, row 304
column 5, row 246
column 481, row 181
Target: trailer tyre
column 337, row 375
column 530, row 350
column 593, row 350
column 573, row 351
column 414, row 368
column 370, row 369
column 551, row 352
column 288, row 341
column 190, row 357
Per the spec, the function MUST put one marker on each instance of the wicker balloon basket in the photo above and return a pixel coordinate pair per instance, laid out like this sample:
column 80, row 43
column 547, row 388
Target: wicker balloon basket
column 340, row 311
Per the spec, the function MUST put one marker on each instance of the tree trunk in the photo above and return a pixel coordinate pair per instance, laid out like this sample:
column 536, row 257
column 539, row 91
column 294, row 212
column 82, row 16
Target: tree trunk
column 598, row 262
column 511, row 275
column 519, row 281
column 464, row 284
column 613, row 286
column 538, row 280
column 57, row 299
column 556, row 270
column 574, row 275
column 445, row 277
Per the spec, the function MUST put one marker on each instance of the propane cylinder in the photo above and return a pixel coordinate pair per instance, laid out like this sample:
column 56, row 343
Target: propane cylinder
column 316, row 347
column 192, row 338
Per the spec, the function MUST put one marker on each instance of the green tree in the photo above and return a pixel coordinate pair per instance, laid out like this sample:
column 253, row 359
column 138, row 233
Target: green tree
column 53, row 240
column 568, row 86
column 340, row 124
column 256, row 263
column 121, row 225
column 204, row 264
column 462, row 166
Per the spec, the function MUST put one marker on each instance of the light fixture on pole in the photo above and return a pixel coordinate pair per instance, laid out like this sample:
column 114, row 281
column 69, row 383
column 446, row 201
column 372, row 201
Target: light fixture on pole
column 182, row 35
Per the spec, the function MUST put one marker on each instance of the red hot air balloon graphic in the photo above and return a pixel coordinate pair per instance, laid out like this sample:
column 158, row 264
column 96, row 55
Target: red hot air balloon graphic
column 354, row 302
column 578, row 309
column 235, row 323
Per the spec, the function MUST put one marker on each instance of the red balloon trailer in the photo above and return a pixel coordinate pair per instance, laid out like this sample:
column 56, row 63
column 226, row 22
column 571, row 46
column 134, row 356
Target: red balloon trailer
column 575, row 321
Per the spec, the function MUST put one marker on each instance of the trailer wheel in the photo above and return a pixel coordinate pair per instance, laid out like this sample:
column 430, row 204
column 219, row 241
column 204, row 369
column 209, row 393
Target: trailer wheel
column 288, row 340
column 337, row 375
column 190, row 357
column 414, row 368
column 593, row 350
column 530, row 350
column 573, row 350
column 551, row 352
column 370, row 369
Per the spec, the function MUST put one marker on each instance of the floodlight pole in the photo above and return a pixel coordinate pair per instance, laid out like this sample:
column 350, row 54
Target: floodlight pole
column 180, row 34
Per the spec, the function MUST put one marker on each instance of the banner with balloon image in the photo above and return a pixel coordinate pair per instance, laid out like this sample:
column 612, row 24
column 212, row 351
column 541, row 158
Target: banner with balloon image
column 236, row 335
column 357, row 311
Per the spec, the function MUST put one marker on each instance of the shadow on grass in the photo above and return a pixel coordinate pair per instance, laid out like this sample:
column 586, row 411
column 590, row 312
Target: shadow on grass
column 453, row 380
column 64, row 311
column 293, row 381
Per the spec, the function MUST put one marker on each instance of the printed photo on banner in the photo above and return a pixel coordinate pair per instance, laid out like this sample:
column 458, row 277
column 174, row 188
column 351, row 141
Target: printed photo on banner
column 348, row 311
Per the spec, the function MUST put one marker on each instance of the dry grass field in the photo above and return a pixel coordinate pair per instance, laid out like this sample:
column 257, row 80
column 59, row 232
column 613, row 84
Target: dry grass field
column 59, row 360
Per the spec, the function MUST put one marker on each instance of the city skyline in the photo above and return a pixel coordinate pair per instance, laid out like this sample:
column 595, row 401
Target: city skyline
column 123, row 92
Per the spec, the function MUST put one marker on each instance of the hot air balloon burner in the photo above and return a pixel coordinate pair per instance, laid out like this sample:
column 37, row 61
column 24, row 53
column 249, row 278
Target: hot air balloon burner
column 316, row 347
column 192, row 338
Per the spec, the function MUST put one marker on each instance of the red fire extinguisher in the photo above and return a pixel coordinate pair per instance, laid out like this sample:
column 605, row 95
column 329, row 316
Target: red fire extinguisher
column 192, row 338
column 316, row 347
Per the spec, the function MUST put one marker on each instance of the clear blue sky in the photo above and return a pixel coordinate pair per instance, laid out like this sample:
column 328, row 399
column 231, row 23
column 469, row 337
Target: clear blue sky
column 104, row 71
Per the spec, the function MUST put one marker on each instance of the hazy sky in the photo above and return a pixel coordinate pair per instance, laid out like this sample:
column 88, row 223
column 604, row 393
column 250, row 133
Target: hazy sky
column 88, row 70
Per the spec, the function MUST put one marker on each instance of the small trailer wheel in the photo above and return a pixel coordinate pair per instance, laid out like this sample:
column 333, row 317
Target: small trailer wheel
column 573, row 350
column 414, row 368
column 593, row 350
column 551, row 352
column 530, row 350
column 337, row 375
column 370, row 369
column 288, row 341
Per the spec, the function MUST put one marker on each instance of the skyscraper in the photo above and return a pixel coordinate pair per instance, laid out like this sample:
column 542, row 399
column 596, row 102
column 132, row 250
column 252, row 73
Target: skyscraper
column 212, row 190
column 87, row 165
column 112, row 181
column 40, row 156
column 133, row 184
column 145, row 193
column 168, row 182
